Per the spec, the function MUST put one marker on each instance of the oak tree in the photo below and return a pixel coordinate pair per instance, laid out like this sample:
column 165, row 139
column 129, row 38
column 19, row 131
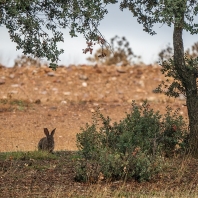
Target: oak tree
column 181, row 15
column 35, row 25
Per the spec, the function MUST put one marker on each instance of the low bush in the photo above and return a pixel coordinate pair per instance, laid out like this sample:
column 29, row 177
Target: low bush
column 133, row 148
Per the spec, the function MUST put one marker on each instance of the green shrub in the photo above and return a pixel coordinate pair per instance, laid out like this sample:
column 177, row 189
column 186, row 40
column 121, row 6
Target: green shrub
column 132, row 148
column 20, row 155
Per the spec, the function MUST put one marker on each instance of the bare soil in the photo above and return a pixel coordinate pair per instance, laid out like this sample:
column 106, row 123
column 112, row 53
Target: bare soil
column 32, row 98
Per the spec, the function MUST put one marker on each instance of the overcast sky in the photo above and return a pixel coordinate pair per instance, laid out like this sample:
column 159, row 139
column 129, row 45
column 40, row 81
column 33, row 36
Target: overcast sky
column 115, row 22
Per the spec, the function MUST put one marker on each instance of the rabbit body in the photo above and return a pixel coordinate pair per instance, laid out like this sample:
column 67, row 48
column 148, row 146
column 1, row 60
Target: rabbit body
column 47, row 143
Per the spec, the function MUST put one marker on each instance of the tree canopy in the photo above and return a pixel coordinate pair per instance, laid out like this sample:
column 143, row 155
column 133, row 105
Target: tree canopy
column 35, row 25
column 150, row 12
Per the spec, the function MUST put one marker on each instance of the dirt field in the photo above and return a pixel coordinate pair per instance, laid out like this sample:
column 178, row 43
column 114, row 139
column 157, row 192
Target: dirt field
column 32, row 98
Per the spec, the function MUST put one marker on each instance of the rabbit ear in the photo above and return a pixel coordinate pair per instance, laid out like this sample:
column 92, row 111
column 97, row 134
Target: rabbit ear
column 53, row 131
column 46, row 131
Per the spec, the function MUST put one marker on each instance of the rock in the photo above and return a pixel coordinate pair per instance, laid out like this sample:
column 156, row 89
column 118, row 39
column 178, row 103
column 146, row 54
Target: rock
column 129, row 101
column 67, row 93
column 114, row 78
column 34, row 72
column 53, row 108
column 85, row 95
column 140, row 83
column 141, row 91
column 57, row 81
column 151, row 99
column 43, row 92
column 63, row 102
column 120, row 70
column 182, row 97
column 50, row 74
column 11, row 76
column 15, row 85
column 181, row 112
column 55, row 89
column 92, row 110
column 84, row 84
column 97, row 70
column 120, row 92
column 38, row 101
column 157, row 79
column 2, row 81
column 13, row 92
column 83, row 77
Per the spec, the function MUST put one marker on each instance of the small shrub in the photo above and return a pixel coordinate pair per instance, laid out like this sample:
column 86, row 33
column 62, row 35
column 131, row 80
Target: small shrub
column 25, row 61
column 167, row 53
column 132, row 148
column 120, row 53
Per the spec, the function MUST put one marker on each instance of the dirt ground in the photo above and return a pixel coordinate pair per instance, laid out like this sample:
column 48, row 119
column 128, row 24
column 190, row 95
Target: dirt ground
column 32, row 98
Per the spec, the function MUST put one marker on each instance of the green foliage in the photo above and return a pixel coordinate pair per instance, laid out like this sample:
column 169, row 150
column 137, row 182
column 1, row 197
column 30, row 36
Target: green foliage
column 176, row 87
column 19, row 155
column 167, row 12
column 167, row 53
column 34, row 25
column 120, row 53
column 181, row 15
column 132, row 148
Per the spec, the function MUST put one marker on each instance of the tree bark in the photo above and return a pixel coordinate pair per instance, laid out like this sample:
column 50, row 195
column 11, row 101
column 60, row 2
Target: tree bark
column 192, row 106
column 188, row 80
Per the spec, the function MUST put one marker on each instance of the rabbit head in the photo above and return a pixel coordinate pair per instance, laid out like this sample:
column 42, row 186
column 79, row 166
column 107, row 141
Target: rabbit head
column 47, row 143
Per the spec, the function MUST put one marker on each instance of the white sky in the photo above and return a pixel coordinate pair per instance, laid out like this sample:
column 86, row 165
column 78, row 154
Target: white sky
column 115, row 22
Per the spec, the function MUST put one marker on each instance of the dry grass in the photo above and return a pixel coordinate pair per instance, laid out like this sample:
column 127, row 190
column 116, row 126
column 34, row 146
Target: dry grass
column 34, row 174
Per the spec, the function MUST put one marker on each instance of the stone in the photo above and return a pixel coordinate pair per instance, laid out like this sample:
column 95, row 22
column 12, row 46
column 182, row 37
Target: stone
column 2, row 81
column 55, row 89
column 83, row 77
column 13, row 92
column 84, row 84
column 92, row 110
column 50, row 74
column 67, row 93
column 11, row 76
column 43, row 92
column 15, row 85
column 182, row 97
column 151, row 99
column 63, row 102
column 38, row 101
column 119, row 70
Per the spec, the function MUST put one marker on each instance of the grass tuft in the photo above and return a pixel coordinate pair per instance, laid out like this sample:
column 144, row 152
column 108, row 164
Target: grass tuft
column 19, row 155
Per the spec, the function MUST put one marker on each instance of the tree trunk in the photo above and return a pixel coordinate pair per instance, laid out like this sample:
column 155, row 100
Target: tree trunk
column 192, row 106
column 188, row 79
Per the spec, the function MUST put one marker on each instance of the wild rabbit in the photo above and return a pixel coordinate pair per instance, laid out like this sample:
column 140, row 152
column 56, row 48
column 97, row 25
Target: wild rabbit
column 47, row 143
